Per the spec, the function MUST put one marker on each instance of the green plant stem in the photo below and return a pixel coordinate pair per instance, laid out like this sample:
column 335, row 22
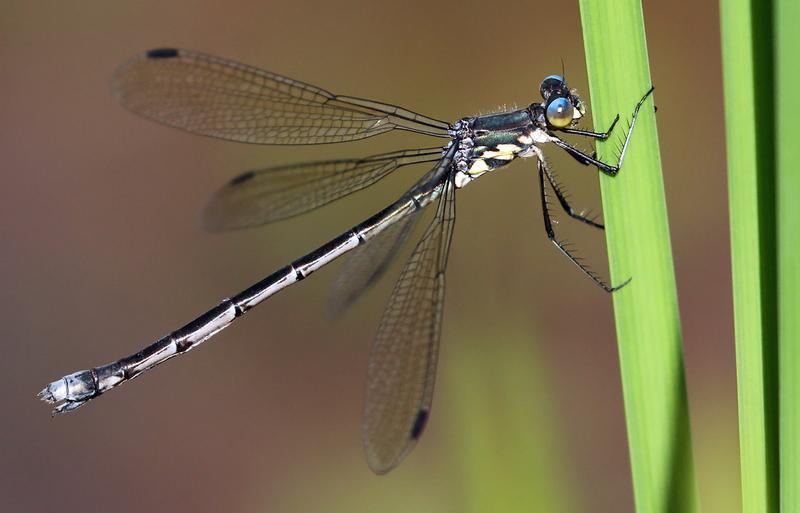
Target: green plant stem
column 787, row 109
column 749, row 116
column 637, row 234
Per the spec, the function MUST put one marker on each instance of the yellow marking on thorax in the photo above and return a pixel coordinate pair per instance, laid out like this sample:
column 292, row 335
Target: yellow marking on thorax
column 508, row 148
column 504, row 152
column 478, row 167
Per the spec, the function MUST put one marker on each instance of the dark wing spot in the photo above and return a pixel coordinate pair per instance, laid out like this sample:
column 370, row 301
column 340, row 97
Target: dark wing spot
column 162, row 53
column 243, row 178
column 419, row 424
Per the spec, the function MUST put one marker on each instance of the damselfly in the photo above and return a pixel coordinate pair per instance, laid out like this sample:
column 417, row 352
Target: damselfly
column 219, row 98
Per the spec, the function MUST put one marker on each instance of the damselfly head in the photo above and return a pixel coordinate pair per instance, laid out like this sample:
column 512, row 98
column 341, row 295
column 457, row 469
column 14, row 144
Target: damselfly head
column 553, row 85
column 563, row 106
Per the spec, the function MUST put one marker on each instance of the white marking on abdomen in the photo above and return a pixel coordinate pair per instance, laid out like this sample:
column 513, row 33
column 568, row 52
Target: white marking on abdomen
column 289, row 278
column 338, row 251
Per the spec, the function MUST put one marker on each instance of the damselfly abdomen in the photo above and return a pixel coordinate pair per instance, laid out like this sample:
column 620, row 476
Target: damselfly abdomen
column 219, row 98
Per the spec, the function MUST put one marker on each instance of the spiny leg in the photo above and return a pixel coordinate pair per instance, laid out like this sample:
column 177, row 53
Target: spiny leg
column 562, row 199
column 548, row 227
column 588, row 133
column 594, row 135
column 608, row 169
column 579, row 156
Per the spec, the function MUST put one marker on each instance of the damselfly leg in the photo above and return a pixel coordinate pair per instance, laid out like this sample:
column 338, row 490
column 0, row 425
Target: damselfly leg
column 562, row 199
column 594, row 135
column 584, row 158
column 551, row 235
column 546, row 173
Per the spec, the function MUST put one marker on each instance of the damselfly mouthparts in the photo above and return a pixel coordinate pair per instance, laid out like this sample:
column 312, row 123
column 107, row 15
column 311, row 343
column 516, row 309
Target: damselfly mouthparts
column 219, row 98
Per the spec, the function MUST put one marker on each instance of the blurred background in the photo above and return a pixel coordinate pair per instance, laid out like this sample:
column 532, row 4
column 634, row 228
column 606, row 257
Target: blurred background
column 103, row 253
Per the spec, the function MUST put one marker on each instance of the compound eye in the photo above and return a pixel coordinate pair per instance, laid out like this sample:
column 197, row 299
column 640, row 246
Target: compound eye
column 559, row 112
column 550, row 84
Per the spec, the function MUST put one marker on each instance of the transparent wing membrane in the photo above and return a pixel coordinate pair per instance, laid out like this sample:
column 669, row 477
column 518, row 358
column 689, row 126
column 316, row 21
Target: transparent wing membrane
column 266, row 195
column 402, row 365
column 367, row 264
column 217, row 97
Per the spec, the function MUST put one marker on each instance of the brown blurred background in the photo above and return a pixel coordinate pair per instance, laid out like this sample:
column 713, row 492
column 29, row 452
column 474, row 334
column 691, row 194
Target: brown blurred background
column 103, row 253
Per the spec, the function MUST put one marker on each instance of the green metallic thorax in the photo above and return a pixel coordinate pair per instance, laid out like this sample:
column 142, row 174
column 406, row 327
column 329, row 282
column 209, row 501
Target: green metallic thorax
column 502, row 121
column 499, row 138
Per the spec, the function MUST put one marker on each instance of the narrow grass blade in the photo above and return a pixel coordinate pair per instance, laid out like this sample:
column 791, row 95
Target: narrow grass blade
column 646, row 311
column 749, row 121
column 787, row 109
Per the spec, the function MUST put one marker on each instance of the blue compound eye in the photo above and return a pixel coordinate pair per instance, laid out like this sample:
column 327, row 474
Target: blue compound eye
column 560, row 112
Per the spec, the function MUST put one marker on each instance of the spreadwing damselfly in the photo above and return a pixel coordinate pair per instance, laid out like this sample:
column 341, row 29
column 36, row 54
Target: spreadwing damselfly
column 220, row 98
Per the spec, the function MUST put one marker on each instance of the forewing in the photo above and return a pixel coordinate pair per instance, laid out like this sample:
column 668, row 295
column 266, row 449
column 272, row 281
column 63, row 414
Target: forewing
column 402, row 366
column 266, row 195
column 217, row 97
